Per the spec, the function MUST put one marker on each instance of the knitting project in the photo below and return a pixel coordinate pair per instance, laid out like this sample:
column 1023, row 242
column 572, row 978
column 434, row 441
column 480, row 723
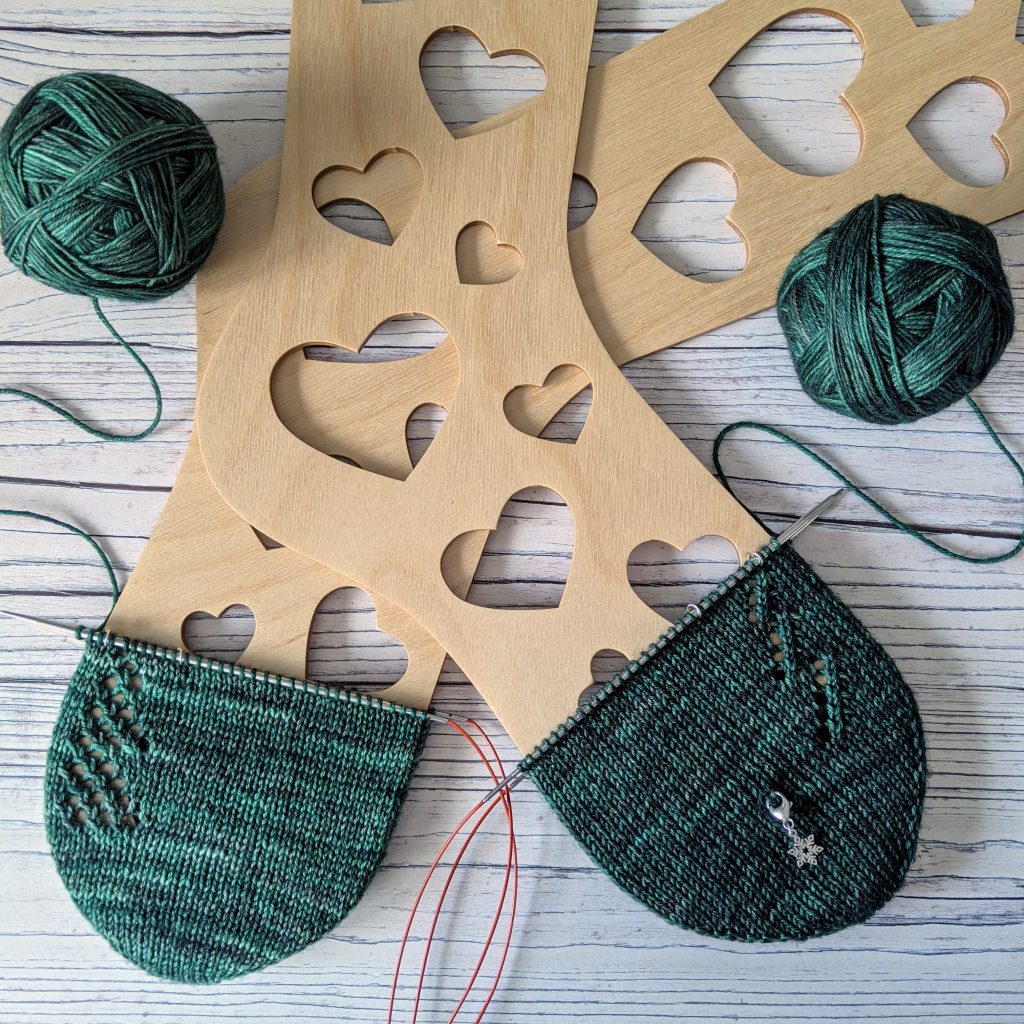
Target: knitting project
column 774, row 686
column 209, row 821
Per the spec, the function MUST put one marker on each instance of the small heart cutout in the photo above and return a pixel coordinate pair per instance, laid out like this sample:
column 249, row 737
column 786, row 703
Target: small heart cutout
column 482, row 259
column 469, row 85
column 685, row 223
column 604, row 667
column 348, row 649
column 667, row 579
column 556, row 410
column 223, row 637
column 375, row 203
column 786, row 99
column 956, row 128
column 525, row 562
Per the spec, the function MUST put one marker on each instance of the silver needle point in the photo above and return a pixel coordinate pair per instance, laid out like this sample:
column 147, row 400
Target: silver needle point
column 804, row 521
column 516, row 776
column 53, row 627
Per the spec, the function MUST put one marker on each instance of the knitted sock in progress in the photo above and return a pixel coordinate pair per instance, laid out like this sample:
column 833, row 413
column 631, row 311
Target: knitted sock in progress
column 209, row 823
column 775, row 688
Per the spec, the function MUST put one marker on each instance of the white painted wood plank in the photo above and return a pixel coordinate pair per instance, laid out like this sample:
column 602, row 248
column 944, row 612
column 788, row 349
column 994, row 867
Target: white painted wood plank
column 228, row 16
column 948, row 947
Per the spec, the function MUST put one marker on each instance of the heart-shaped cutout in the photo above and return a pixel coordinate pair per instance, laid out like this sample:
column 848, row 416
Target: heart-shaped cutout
column 791, row 108
column 604, row 667
column 482, row 259
column 223, row 637
column 685, row 223
column 348, row 649
column 556, row 410
column 526, row 559
column 331, row 397
column 667, row 579
column 375, row 203
column 957, row 129
column 470, row 86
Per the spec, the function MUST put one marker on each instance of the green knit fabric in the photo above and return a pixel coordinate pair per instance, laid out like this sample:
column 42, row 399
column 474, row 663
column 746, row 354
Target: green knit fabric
column 209, row 823
column 776, row 686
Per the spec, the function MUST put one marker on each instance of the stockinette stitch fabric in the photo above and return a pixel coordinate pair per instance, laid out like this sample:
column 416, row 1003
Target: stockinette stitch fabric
column 209, row 822
column 775, row 686
column 896, row 311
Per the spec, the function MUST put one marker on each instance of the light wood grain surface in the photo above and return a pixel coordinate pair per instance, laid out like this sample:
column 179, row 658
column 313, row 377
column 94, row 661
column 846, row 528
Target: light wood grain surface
column 950, row 947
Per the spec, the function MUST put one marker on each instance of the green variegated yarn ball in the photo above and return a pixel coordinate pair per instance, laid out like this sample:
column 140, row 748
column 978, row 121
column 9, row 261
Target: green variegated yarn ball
column 896, row 311
column 108, row 188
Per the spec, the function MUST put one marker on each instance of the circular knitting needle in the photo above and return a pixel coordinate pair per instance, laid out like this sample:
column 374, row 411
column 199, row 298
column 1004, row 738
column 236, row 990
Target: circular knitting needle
column 82, row 634
column 695, row 611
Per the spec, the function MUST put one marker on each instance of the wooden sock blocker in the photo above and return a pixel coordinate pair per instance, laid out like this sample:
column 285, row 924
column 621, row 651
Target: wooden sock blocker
column 203, row 555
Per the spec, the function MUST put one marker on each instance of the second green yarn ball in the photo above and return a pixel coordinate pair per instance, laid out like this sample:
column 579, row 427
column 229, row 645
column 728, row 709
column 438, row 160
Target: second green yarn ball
column 896, row 310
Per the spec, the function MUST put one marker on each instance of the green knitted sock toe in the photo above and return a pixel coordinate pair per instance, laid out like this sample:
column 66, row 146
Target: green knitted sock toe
column 776, row 687
column 208, row 824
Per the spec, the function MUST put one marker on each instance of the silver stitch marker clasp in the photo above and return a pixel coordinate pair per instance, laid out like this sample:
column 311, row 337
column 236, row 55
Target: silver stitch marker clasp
column 803, row 848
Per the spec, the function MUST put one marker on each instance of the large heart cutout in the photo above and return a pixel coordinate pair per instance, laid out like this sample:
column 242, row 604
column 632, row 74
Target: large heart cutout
column 348, row 649
column 223, row 637
column 470, row 86
column 407, row 362
column 482, row 259
column 556, row 410
column 526, row 559
column 791, row 108
column 667, row 579
column 685, row 223
column 375, row 203
column 957, row 129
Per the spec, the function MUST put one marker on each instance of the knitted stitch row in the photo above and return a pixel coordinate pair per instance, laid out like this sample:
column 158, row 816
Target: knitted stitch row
column 775, row 686
column 208, row 826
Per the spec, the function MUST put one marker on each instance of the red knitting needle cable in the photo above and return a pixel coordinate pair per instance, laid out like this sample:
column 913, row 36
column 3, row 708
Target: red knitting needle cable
column 452, row 836
column 512, row 865
column 511, row 871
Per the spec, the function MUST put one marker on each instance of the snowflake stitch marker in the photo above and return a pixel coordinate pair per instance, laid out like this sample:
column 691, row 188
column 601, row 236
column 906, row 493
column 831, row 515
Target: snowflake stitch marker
column 802, row 848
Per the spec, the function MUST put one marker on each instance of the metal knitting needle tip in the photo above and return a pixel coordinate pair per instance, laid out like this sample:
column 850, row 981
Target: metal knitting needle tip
column 52, row 627
column 804, row 521
column 510, row 782
column 445, row 717
column 55, row 627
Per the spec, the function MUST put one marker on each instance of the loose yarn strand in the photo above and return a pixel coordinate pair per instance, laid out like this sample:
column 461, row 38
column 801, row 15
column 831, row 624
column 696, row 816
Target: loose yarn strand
column 104, row 435
column 115, row 590
column 861, row 493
